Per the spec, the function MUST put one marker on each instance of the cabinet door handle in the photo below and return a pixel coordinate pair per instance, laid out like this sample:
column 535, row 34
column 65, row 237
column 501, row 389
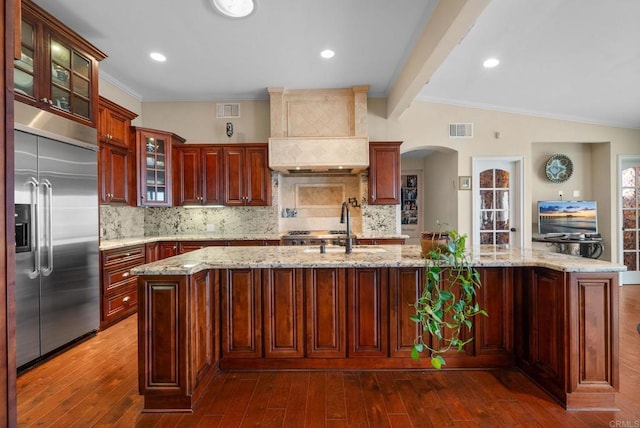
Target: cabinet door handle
column 125, row 275
column 126, row 299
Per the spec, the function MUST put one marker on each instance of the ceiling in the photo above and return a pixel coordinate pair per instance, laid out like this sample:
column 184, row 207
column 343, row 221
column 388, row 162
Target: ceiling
column 569, row 59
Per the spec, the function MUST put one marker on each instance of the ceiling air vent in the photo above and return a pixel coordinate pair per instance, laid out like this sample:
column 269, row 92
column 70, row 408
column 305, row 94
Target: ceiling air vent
column 227, row 111
column 460, row 130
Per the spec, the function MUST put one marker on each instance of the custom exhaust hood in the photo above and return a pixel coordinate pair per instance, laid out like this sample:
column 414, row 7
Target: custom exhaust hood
column 319, row 131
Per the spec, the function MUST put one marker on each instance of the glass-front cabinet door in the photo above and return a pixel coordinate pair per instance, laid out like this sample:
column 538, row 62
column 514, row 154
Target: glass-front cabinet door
column 23, row 72
column 154, row 166
column 156, row 169
column 57, row 69
column 70, row 80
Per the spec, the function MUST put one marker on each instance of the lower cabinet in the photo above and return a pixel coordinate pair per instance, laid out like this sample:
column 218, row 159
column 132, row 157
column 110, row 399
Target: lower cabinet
column 368, row 326
column 283, row 327
column 118, row 294
column 241, row 313
column 326, row 314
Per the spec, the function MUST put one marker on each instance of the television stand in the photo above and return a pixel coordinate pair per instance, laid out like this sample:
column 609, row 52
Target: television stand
column 591, row 247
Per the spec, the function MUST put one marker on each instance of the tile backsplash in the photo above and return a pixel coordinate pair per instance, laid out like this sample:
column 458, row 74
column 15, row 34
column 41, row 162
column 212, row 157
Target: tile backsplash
column 317, row 201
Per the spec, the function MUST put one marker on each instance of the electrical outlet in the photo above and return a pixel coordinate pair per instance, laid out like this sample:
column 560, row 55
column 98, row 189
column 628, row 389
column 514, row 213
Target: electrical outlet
column 560, row 193
column 211, row 227
column 576, row 193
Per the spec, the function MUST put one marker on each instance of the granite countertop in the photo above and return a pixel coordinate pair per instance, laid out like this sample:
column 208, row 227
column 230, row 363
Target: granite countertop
column 209, row 236
column 363, row 256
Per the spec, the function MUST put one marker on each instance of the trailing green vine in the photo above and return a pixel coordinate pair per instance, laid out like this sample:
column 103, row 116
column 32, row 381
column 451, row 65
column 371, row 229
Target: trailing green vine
column 447, row 304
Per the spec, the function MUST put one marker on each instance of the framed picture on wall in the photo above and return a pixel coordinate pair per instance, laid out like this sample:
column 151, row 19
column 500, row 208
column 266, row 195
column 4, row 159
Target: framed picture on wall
column 464, row 182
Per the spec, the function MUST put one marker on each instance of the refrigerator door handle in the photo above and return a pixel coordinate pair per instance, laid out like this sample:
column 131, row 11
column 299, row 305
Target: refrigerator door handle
column 35, row 248
column 49, row 227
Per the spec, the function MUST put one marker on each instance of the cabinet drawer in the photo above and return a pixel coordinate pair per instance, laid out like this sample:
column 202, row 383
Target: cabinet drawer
column 124, row 302
column 114, row 276
column 120, row 255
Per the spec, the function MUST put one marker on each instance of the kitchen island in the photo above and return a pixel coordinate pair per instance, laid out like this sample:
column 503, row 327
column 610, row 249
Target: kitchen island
column 278, row 308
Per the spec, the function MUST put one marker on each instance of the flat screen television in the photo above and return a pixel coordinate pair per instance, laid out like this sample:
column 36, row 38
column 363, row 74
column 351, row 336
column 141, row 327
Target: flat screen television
column 567, row 217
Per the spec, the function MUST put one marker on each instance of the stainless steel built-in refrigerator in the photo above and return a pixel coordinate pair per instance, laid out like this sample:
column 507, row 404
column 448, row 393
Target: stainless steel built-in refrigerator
column 57, row 273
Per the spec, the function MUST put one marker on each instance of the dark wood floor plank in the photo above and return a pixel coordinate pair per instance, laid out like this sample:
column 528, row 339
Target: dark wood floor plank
column 316, row 415
column 416, row 409
column 354, row 401
column 374, row 400
column 297, row 401
column 236, row 412
column 281, row 390
column 273, row 418
column 336, row 405
column 259, row 400
column 392, row 399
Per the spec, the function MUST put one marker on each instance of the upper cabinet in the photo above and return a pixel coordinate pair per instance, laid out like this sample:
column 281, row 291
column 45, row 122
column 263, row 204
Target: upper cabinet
column 57, row 69
column 198, row 175
column 247, row 175
column 117, row 156
column 384, row 173
column 154, row 148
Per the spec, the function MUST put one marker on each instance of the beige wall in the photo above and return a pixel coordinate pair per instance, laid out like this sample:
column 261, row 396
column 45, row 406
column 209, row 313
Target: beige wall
column 196, row 121
column 122, row 98
column 593, row 148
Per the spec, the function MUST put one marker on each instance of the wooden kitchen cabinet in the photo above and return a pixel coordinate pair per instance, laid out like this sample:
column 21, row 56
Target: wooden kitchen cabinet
column 116, row 170
column 283, row 328
column 368, row 328
column 198, row 175
column 153, row 148
column 167, row 249
column 384, row 173
column 405, row 288
column 241, row 313
column 544, row 327
column 326, row 316
column 247, row 178
column 57, row 69
column 119, row 296
column 114, row 122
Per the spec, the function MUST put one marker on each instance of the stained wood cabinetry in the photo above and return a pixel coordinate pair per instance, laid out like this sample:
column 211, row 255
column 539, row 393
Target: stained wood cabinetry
column 232, row 175
column 198, row 175
column 283, row 328
column 154, row 152
column 247, row 180
column 567, row 334
column 384, row 173
column 177, row 358
column 119, row 294
column 57, row 70
column 326, row 316
column 405, row 287
column 368, row 323
column 241, row 313
column 117, row 156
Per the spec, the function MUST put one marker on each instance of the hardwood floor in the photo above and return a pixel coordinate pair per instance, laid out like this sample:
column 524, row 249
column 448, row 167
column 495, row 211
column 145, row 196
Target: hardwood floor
column 95, row 385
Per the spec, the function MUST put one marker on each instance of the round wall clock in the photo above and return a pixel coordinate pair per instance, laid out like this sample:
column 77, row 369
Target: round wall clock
column 558, row 168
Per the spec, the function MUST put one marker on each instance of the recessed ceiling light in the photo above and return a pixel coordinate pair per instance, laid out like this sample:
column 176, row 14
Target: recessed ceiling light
column 157, row 56
column 235, row 8
column 491, row 62
column 327, row 53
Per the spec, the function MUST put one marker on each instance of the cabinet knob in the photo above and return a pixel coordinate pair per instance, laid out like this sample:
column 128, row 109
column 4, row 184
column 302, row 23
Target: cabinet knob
column 126, row 299
column 126, row 274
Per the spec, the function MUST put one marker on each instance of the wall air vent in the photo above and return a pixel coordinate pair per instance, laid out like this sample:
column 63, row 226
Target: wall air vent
column 460, row 130
column 227, row 111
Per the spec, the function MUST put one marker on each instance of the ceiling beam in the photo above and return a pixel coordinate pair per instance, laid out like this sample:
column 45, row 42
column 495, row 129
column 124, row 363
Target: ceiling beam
column 450, row 22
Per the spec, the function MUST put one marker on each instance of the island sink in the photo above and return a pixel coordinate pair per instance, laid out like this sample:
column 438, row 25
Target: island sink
column 340, row 249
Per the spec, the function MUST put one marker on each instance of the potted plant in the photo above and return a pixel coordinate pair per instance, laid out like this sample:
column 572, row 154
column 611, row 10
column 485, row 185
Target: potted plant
column 447, row 304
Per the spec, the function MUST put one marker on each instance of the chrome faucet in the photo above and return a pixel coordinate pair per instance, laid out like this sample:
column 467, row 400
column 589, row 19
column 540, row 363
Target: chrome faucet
column 348, row 242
